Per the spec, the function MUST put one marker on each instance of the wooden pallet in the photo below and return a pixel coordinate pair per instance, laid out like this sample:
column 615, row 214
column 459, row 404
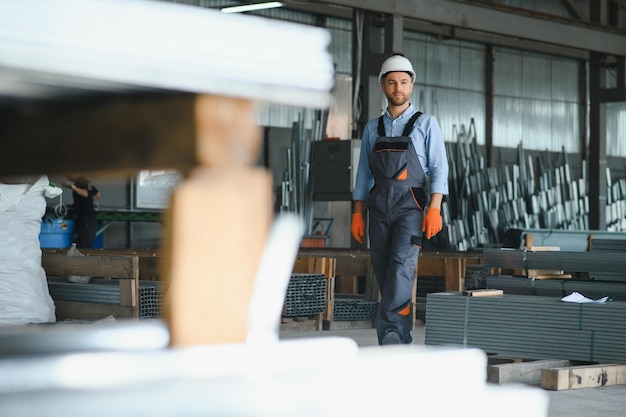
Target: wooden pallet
column 505, row 370
column 585, row 376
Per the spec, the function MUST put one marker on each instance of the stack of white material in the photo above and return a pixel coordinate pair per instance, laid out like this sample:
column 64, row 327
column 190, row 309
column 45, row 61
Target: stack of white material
column 127, row 45
column 316, row 377
column 24, row 296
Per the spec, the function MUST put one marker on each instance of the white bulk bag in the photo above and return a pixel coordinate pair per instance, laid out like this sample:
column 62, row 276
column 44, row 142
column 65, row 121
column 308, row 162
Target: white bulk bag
column 24, row 295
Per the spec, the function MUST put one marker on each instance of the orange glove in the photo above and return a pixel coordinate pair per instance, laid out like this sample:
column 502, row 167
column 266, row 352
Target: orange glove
column 432, row 222
column 358, row 227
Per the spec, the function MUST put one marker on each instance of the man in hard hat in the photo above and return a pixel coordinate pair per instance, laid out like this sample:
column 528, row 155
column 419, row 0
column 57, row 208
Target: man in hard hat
column 399, row 151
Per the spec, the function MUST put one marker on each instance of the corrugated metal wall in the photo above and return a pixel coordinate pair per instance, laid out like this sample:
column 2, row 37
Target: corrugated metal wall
column 341, row 44
column 536, row 96
column 449, row 82
column 616, row 129
column 536, row 101
column 340, row 48
column 285, row 116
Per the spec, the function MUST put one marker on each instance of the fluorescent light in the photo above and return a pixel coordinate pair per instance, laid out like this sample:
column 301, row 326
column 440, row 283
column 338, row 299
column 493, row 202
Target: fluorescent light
column 251, row 7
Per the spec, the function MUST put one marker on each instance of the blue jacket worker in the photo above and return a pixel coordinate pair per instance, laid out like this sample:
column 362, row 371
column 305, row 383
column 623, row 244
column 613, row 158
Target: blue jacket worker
column 399, row 152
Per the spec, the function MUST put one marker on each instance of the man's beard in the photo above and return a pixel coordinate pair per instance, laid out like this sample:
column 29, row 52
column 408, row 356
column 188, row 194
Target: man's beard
column 397, row 101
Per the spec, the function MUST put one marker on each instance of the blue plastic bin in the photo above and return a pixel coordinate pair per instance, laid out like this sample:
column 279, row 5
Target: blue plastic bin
column 56, row 233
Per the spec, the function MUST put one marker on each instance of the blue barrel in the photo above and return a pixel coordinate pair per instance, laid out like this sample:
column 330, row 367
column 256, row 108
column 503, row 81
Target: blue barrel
column 56, row 233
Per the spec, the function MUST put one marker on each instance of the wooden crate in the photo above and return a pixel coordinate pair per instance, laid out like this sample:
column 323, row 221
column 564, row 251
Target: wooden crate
column 122, row 268
column 149, row 260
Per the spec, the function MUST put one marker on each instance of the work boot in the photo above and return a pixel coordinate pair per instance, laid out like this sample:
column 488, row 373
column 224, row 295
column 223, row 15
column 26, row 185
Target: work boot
column 391, row 338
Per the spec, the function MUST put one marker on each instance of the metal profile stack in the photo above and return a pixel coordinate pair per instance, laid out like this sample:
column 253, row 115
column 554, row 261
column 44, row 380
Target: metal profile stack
column 305, row 296
column 102, row 291
column 97, row 291
column 484, row 202
column 354, row 309
column 618, row 247
column 593, row 261
column 528, row 326
column 557, row 287
column 615, row 204
column 150, row 299
column 566, row 240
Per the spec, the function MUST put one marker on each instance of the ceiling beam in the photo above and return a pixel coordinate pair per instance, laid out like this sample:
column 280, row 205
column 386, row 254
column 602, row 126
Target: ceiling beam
column 448, row 32
column 571, row 9
column 560, row 32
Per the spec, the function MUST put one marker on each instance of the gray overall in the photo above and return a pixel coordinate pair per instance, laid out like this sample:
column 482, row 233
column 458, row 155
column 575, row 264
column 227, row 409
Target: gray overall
column 396, row 212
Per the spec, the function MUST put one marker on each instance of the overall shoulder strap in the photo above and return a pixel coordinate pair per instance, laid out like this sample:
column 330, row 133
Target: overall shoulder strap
column 409, row 125
column 381, row 127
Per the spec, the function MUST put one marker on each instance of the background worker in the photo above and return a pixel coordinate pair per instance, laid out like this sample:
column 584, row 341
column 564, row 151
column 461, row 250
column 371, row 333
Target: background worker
column 399, row 152
column 85, row 222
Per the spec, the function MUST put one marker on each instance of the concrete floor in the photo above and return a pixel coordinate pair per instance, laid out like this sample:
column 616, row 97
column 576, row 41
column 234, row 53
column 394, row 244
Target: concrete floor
column 587, row 402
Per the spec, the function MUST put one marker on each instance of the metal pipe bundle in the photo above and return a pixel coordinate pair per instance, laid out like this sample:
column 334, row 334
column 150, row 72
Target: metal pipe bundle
column 557, row 260
column 557, row 287
column 528, row 326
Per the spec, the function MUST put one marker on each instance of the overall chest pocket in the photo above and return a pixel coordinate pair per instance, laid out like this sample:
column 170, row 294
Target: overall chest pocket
column 389, row 159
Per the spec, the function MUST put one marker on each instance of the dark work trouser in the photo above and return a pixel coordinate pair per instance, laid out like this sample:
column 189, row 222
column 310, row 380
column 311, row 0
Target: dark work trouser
column 395, row 223
column 86, row 229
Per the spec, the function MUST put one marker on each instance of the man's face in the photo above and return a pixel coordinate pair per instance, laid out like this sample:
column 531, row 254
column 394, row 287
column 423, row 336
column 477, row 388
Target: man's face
column 397, row 87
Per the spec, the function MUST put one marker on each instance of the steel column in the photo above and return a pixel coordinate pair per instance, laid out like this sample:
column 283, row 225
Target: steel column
column 597, row 147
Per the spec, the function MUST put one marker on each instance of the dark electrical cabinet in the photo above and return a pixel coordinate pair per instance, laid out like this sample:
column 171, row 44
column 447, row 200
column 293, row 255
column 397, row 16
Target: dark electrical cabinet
column 334, row 165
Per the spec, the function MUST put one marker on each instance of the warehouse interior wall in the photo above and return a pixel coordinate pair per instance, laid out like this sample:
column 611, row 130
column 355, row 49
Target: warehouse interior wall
column 539, row 100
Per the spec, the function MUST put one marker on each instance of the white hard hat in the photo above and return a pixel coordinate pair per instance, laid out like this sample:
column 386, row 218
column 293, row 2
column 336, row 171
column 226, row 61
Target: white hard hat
column 396, row 63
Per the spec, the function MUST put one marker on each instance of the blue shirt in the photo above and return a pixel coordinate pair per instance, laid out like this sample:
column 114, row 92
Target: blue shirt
column 428, row 143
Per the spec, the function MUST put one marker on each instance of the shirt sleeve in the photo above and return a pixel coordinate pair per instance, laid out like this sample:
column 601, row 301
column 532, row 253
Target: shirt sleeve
column 364, row 179
column 436, row 157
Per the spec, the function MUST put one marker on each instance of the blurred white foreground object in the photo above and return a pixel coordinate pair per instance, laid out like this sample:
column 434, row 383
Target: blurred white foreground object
column 272, row 279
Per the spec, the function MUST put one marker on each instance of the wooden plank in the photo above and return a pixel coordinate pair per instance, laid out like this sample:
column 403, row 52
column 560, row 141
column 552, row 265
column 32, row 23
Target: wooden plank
column 129, row 288
column 328, row 266
column 485, row 292
column 352, row 266
column 448, row 265
column 134, row 133
column 350, row 262
column 351, row 325
column 542, row 248
column 372, row 292
column 299, row 324
column 544, row 274
column 217, row 228
column 69, row 310
column 95, row 266
column 587, row 376
column 454, row 276
column 149, row 260
column 347, row 284
column 528, row 372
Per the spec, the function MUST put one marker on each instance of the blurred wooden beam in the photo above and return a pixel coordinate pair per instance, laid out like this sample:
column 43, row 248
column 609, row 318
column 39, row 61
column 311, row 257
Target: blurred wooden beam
column 110, row 133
